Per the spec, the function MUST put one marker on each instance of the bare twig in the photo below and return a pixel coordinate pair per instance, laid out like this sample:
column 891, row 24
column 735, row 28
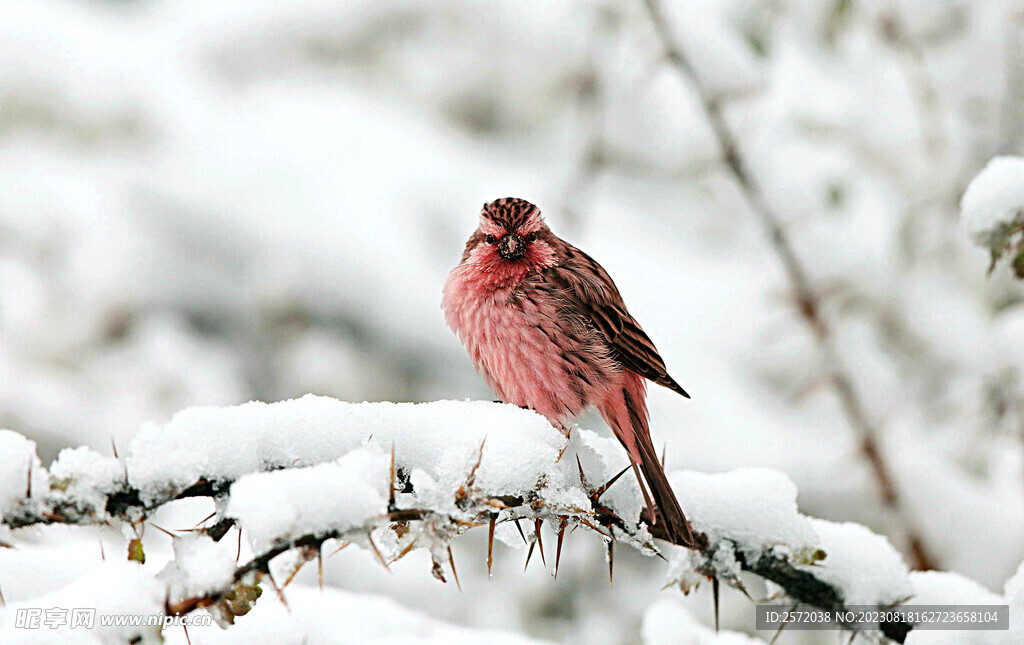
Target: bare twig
column 806, row 297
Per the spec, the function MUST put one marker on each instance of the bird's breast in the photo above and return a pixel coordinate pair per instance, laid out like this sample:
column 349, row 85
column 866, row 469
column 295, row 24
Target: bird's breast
column 525, row 351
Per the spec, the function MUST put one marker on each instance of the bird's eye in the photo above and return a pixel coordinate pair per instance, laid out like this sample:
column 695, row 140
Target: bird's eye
column 490, row 239
column 532, row 237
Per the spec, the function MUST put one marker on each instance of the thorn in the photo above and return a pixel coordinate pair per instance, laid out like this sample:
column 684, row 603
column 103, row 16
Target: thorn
column 782, row 626
column 280, row 593
column 604, row 510
column 738, row 584
column 714, row 595
column 28, row 489
column 187, row 639
column 540, row 542
column 291, row 576
column 3, row 601
column 161, row 529
column 343, row 545
column 490, row 544
column 607, row 484
column 558, row 550
column 203, row 521
column 404, row 552
column 664, row 449
column 113, row 447
column 529, row 553
column 103, row 555
column 320, row 566
column 562, row 451
column 369, row 536
column 611, row 562
column 238, row 554
column 592, row 527
column 451, row 561
column 521, row 534
column 583, row 478
column 391, row 485
column 479, row 458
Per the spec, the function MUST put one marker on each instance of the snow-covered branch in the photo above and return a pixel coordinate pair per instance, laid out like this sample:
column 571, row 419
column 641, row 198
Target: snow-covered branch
column 993, row 211
column 391, row 478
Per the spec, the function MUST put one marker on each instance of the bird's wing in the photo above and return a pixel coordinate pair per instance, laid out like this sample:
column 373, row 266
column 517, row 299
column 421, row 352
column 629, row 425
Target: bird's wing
column 594, row 295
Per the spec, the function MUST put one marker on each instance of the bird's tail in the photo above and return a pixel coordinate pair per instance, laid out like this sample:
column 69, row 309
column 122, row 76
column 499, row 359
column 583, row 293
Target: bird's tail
column 675, row 526
column 626, row 412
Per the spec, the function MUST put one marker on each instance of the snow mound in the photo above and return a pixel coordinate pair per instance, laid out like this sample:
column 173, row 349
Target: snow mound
column 668, row 622
column 335, row 616
column 200, row 566
column 994, row 199
column 113, row 588
column 754, row 508
column 287, row 504
column 443, row 438
column 20, row 471
column 862, row 565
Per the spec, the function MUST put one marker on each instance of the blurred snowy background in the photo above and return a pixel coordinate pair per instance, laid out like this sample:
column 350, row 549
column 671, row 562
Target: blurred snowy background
column 207, row 203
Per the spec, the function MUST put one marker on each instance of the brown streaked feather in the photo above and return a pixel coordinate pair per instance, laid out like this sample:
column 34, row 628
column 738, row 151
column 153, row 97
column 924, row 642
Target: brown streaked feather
column 579, row 277
column 509, row 212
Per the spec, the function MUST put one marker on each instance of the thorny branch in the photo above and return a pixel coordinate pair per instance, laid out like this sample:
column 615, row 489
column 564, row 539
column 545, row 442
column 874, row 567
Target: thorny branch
column 420, row 525
column 806, row 297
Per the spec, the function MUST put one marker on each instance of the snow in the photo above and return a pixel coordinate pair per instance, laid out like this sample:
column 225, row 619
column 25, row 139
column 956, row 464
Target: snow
column 863, row 565
column 994, row 199
column 348, row 493
column 1014, row 590
column 20, row 470
column 441, row 438
column 200, row 566
column 1014, row 596
column 754, row 508
column 337, row 617
column 668, row 622
column 948, row 588
column 84, row 475
column 112, row 588
column 945, row 588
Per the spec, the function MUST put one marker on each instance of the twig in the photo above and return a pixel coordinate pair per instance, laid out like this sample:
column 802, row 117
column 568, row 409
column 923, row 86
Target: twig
column 806, row 297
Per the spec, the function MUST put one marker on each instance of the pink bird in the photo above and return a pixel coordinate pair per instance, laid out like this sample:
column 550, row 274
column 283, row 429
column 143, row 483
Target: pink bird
column 547, row 329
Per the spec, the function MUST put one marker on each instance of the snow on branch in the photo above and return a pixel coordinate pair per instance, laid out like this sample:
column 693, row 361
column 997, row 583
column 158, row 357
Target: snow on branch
column 390, row 478
column 993, row 211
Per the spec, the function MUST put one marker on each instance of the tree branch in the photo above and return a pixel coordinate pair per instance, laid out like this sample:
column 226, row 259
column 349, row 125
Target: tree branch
column 807, row 299
column 91, row 490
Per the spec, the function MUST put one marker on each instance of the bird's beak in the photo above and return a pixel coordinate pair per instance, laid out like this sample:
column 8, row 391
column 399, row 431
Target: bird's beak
column 512, row 246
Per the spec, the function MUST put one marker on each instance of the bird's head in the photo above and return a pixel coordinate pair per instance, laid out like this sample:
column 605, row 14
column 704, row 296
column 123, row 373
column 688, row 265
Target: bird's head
column 511, row 241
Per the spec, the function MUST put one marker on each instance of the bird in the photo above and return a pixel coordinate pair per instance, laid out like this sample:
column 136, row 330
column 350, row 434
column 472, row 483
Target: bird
column 547, row 330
